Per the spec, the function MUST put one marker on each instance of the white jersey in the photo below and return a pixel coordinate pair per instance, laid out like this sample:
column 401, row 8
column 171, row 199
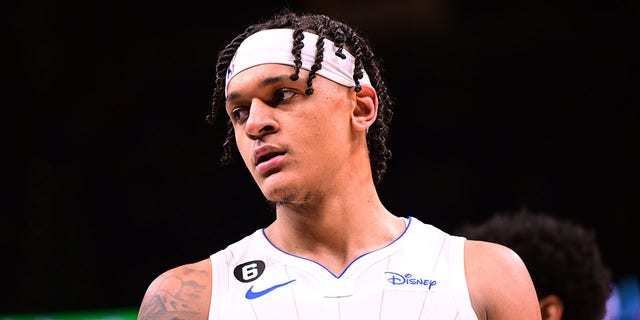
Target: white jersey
column 419, row 276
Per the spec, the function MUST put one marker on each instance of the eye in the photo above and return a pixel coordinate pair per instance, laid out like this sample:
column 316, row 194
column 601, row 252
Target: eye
column 239, row 114
column 283, row 95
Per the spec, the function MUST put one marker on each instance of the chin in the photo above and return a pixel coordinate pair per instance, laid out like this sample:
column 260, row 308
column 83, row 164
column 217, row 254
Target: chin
column 279, row 196
column 281, row 191
column 284, row 196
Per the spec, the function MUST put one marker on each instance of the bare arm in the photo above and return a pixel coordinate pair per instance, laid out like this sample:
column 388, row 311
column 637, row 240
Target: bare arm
column 182, row 293
column 499, row 283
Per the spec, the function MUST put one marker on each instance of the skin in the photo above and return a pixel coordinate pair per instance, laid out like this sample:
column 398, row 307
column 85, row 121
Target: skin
column 327, row 206
column 551, row 307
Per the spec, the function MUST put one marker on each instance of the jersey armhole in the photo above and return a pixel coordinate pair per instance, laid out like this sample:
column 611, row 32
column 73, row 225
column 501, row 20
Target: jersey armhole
column 459, row 284
column 219, row 283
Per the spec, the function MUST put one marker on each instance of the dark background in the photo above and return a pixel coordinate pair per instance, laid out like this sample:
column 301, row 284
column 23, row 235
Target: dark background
column 500, row 105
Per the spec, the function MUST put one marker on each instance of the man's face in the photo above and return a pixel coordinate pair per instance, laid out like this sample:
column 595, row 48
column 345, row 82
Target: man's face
column 293, row 144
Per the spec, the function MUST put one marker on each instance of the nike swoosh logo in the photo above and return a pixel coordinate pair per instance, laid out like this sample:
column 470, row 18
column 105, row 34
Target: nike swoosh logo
column 252, row 294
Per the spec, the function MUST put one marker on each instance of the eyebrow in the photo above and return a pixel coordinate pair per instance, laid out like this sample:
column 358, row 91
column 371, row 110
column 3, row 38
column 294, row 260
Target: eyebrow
column 263, row 83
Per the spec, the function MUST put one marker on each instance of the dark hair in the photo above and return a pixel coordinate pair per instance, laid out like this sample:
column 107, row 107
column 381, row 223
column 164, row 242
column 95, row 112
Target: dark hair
column 563, row 258
column 344, row 37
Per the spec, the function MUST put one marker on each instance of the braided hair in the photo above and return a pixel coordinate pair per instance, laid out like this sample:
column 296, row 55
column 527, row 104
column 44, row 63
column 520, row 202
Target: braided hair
column 342, row 35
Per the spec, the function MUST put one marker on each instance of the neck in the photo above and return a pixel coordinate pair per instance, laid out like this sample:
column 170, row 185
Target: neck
column 335, row 231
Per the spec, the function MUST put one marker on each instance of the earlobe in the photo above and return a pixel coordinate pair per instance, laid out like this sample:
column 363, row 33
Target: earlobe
column 366, row 109
column 551, row 307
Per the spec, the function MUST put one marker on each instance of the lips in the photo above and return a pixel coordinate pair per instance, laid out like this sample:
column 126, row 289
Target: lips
column 266, row 157
column 265, row 153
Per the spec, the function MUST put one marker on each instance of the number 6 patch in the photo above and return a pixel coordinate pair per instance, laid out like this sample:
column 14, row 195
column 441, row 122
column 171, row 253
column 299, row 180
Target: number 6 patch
column 249, row 271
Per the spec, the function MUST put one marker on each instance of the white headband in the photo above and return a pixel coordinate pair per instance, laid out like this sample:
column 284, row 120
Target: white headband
column 269, row 46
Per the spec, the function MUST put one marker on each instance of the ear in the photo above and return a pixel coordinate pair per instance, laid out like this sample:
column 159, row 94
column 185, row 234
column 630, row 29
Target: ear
column 551, row 307
column 366, row 109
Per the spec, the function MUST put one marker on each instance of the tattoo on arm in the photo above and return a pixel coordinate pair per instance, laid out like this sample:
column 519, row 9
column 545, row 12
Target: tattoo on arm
column 175, row 297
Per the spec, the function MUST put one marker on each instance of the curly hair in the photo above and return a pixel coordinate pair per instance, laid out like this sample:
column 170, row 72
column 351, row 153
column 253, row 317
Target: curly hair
column 563, row 258
column 345, row 37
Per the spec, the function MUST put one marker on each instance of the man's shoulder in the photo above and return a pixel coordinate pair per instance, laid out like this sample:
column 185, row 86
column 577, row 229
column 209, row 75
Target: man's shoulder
column 252, row 242
column 499, row 281
column 421, row 232
column 179, row 293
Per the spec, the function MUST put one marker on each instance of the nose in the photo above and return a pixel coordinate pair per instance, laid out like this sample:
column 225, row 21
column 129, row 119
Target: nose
column 260, row 121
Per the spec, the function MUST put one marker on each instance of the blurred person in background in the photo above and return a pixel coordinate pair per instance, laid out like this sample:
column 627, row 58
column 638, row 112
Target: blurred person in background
column 563, row 258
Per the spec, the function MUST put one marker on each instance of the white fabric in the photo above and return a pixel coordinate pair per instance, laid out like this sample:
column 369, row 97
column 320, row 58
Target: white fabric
column 419, row 276
column 274, row 46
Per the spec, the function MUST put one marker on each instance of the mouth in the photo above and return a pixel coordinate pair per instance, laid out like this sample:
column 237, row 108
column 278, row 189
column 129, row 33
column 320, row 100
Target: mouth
column 267, row 156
